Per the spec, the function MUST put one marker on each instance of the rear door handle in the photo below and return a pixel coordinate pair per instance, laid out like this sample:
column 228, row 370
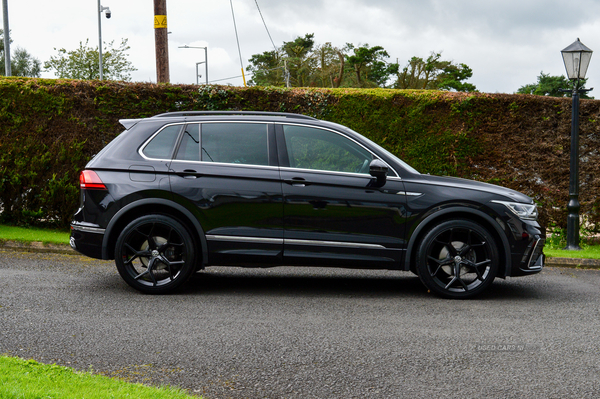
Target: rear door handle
column 188, row 174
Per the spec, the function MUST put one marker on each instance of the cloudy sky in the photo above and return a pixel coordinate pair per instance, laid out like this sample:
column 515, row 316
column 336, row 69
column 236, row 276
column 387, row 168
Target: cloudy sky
column 506, row 43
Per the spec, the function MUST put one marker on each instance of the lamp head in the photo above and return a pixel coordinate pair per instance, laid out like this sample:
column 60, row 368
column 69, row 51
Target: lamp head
column 577, row 59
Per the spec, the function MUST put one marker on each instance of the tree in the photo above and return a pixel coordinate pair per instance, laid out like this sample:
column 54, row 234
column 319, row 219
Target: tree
column 452, row 77
column 21, row 62
column 435, row 74
column 83, row 63
column 369, row 65
column 551, row 86
column 266, row 69
column 298, row 59
column 328, row 66
column 305, row 64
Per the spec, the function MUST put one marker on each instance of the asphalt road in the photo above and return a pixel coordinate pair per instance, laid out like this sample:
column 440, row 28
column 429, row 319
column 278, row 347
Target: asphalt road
column 306, row 332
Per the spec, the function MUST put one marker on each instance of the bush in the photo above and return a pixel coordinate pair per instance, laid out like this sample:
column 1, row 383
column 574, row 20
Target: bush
column 49, row 129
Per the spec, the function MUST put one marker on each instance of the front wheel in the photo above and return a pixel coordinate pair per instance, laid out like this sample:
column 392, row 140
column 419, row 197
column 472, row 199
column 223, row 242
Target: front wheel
column 155, row 254
column 457, row 259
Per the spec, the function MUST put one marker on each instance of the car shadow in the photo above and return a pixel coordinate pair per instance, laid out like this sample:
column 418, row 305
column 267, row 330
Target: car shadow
column 298, row 281
column 310, row 283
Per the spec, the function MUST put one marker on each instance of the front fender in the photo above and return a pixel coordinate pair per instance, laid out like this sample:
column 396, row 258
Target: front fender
column 444, row 214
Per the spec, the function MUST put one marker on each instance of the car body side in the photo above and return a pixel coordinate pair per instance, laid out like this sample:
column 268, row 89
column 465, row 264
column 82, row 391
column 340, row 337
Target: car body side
column 275, row 214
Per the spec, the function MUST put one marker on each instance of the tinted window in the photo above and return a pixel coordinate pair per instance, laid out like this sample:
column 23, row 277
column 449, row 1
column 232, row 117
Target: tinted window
column 243, row 143
column 310, row 148
column 161, row 146
column 189, row 149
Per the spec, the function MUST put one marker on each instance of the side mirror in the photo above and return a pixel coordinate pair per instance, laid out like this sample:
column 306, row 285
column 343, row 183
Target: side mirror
column 378, row 169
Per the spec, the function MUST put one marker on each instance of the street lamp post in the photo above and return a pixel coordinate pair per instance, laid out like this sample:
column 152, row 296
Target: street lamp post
column 205, row 62
column 577, row 59
column 7, row 66
column 108, row 14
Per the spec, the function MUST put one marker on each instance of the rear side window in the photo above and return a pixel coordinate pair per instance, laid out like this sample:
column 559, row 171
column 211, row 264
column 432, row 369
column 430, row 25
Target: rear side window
column 189, row 149
column 241, row 143
column 161, row 145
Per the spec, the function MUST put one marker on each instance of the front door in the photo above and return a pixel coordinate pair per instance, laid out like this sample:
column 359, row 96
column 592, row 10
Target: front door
column 333, row 213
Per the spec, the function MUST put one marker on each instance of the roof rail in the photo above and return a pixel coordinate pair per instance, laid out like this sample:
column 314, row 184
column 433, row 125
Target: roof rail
column 256, row 113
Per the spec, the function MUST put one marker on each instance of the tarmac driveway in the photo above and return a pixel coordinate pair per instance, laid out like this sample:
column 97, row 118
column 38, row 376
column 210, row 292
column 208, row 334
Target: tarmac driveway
column 307, row 333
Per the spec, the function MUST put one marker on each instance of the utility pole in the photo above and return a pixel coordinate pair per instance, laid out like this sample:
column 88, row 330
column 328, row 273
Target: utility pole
column 7, row 68
column 161, row 41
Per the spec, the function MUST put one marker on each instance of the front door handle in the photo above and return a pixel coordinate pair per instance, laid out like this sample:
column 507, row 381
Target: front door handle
column 297, row 182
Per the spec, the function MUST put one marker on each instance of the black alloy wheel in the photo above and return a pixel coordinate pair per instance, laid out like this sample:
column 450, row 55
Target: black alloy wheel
column 457, row 259
column 155, row 254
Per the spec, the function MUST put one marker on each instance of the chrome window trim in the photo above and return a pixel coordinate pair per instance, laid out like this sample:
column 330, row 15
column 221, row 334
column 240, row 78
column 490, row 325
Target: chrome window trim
column 327, row 172
column 145, row 144
column 140, row 151
column 238, row 165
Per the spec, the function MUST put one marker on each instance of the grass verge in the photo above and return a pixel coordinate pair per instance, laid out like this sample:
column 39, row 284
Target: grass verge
column 29, row 234
column 47, row 236
column 26, row 379
column 588, row 252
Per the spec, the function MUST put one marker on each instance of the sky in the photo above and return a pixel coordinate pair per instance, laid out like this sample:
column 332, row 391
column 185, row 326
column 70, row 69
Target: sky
column 506, row 43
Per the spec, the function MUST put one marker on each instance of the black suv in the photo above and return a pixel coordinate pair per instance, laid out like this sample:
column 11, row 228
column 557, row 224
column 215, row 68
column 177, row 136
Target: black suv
column 180, row 191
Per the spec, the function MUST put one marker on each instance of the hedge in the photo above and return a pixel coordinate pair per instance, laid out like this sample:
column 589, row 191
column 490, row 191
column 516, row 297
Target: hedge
column 49, row 129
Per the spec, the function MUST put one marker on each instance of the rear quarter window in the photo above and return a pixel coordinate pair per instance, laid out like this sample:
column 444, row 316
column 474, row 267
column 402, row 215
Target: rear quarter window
column 161, row 145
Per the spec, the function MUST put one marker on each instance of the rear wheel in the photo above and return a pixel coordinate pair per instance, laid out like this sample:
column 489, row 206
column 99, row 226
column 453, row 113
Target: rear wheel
column 457, row 259
column 155, row 254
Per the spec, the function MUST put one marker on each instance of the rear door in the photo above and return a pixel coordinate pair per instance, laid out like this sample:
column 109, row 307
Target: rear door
column 333, row 214
column 227, row 173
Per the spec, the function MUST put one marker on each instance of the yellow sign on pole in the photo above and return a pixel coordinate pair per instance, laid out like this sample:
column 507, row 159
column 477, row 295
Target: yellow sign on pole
column 160, row 21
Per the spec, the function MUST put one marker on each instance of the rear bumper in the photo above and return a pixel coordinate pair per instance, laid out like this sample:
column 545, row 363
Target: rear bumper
column 87, row 239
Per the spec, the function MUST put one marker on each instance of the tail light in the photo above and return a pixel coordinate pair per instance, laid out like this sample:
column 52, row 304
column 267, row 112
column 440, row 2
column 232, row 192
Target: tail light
column 88, row 179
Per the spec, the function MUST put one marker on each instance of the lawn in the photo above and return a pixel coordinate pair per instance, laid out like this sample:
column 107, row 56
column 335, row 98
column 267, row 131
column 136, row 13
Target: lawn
column 29, row 234
column 588, row 252
column 28, row 379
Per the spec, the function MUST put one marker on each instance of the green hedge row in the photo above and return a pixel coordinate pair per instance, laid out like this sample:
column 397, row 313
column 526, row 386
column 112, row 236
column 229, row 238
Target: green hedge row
column 49, row 129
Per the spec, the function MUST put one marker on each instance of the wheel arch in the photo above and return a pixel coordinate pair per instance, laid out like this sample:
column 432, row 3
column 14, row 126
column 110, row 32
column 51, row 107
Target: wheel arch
column 471, row 214
column 152, row 206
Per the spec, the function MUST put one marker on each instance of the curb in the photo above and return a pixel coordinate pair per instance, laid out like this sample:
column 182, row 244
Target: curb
column 37, row 246
column 573, row 262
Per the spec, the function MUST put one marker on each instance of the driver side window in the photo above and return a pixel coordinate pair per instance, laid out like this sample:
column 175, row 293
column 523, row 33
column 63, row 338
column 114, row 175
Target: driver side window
column 318, row 149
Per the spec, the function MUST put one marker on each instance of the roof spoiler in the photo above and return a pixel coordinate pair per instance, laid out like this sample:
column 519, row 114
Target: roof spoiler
column 128, row 123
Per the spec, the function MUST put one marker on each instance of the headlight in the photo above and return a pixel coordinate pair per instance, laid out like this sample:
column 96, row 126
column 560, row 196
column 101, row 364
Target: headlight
column 523, row 211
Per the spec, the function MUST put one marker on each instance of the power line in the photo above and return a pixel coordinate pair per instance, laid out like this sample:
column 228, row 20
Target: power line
column 265, row 24
column 285, row 70
column 238, row 41
column 239, row 76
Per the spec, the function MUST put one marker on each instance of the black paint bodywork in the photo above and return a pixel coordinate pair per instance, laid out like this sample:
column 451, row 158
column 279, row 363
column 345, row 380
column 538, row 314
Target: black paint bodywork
column 273, row 214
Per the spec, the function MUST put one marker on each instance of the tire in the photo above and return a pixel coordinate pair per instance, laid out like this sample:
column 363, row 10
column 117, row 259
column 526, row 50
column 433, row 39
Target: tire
column 457, row 259
column 155, row 254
